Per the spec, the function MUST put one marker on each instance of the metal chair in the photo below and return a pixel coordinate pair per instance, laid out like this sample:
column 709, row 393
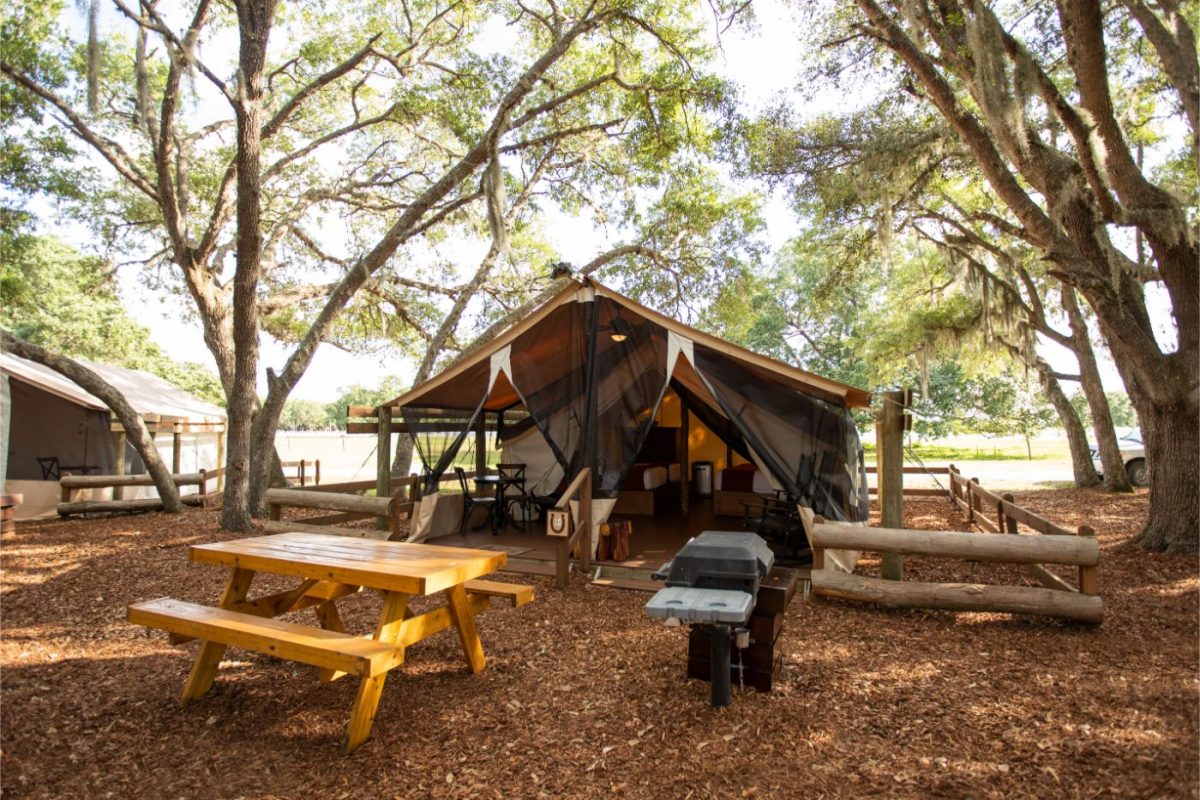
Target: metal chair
column 778, row 520
column 520, row 498
column 470, row 503
column 50, row 468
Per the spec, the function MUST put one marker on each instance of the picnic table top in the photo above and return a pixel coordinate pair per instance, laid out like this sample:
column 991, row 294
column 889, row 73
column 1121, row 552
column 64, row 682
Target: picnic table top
column 414, row 569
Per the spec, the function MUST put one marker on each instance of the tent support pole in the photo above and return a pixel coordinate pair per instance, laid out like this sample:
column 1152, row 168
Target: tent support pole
column 685, row 489
column 120, row 466
column 481, row 444
column 176, row 449
column 221, row 459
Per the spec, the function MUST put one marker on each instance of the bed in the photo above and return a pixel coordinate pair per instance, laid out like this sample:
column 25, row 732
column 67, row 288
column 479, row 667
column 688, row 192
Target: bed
column 739, row 484
column 653, row 484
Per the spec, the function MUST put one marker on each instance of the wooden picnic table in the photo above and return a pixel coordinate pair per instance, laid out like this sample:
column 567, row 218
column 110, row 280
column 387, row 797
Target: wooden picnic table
column 330, row 567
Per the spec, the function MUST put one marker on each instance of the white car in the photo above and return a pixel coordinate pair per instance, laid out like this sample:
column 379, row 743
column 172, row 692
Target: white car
column 1133, row 453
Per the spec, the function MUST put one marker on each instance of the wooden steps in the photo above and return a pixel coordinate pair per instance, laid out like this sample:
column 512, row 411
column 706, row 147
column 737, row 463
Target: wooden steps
column 528, row 566
column 633, row 584
column 321, row 648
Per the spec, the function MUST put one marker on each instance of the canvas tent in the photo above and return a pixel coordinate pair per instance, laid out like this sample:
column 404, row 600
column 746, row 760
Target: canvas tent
column 589, row 370
column 43, row 415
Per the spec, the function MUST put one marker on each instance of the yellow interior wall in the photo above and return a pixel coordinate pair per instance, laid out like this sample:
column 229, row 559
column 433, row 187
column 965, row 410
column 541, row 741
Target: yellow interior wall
column 703, row 444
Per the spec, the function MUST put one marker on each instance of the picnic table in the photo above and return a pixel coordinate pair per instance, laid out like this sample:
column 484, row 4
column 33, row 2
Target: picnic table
column 331, row 567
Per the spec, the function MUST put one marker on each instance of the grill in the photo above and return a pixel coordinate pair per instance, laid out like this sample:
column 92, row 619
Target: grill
column 713, row 582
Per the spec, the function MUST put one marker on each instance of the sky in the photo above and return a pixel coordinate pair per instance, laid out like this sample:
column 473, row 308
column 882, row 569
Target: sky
column 761, row 59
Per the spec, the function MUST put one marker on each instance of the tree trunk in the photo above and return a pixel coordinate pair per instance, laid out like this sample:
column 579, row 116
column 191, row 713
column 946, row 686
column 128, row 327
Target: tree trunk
column 254, row 27
column 1111, row 462
column 1081, row 456
column 135, row 428
column 1083, row 188
column 1173, row 458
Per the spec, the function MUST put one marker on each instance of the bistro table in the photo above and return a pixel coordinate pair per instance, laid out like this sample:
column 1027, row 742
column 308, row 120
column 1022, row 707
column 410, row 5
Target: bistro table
column 331, row 567
column 500, row 483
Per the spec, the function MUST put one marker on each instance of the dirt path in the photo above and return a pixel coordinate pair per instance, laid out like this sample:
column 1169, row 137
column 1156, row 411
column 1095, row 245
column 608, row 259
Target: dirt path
column 585, row 697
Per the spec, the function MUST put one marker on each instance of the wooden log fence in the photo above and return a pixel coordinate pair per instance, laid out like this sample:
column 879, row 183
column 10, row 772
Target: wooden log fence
column 390, row 510
column 307, row 471
column 978, row 503
column 1050, row 544
column 69, row 483
column 915, row 491
column 349, row 500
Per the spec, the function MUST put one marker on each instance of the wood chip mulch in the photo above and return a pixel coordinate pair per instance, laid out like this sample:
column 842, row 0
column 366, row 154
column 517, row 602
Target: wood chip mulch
column 584, row 696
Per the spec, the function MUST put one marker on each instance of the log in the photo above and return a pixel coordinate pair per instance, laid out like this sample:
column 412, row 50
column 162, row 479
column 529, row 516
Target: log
column 104, row 481
column 1047, row 578
column 1038, row 523
column 348, row 487
column 287, row 527
column 1073, row 550
column 917, row 492
column 916, row 470
column 329, row 501
column 959, row 596
column 121, row 506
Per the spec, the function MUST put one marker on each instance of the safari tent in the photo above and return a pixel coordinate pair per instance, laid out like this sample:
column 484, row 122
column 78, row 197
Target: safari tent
column 51, row 426
column 592, row 378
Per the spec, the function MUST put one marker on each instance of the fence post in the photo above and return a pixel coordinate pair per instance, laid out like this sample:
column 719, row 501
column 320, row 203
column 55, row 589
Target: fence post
column 974, row 501
column 890, row 458
column 562, row 557
column 970, row 501
column 1007, row 523
column 317, row 477
column 1087, row 575
column 302, row 473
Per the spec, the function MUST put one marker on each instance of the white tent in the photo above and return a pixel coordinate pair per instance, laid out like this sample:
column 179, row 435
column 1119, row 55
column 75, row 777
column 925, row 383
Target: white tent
column 43, row 415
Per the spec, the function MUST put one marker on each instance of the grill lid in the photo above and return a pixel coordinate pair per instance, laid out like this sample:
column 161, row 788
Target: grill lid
column 722, row 560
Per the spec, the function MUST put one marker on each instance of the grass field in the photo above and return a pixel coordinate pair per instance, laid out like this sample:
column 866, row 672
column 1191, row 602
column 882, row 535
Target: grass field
column 984, row 448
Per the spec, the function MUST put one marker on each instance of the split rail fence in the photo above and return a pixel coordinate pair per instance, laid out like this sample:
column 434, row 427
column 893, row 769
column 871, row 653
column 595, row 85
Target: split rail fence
column 307, row 471
column 1047, row 543
column 915, row 491
column 69, row 483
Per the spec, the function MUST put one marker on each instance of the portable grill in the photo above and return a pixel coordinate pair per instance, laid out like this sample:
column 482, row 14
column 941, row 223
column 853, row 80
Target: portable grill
column 713, row 581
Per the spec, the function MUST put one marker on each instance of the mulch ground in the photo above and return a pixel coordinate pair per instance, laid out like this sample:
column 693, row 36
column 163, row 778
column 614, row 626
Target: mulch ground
column 585, row 697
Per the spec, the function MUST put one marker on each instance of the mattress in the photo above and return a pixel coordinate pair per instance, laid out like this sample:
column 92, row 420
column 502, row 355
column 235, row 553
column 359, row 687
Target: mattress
column 759, row 483
column 645, row 477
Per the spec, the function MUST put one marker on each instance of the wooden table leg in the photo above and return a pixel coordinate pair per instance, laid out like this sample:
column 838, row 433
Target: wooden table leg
column 205, row 667
column 464, row 623
column 391, row 621
column 327, row 615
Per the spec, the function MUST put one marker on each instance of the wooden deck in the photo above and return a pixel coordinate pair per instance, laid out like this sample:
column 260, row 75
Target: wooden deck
column 654, row 541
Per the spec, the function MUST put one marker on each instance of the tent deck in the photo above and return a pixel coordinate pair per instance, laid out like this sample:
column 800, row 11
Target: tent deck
column 654, row 540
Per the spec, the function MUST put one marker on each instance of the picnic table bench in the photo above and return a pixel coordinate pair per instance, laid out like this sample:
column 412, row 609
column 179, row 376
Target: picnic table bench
column 331, row 567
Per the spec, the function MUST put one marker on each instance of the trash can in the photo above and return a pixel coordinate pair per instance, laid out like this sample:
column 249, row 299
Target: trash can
column 702, row 478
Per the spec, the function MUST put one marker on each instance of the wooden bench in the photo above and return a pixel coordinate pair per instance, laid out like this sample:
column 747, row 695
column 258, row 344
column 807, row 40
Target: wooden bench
column 515, row 593
column 344, row 652
column 177, row 617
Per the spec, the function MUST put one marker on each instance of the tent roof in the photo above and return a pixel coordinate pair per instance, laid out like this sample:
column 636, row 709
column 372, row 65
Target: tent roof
column 579, row 291
column 148, row 394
